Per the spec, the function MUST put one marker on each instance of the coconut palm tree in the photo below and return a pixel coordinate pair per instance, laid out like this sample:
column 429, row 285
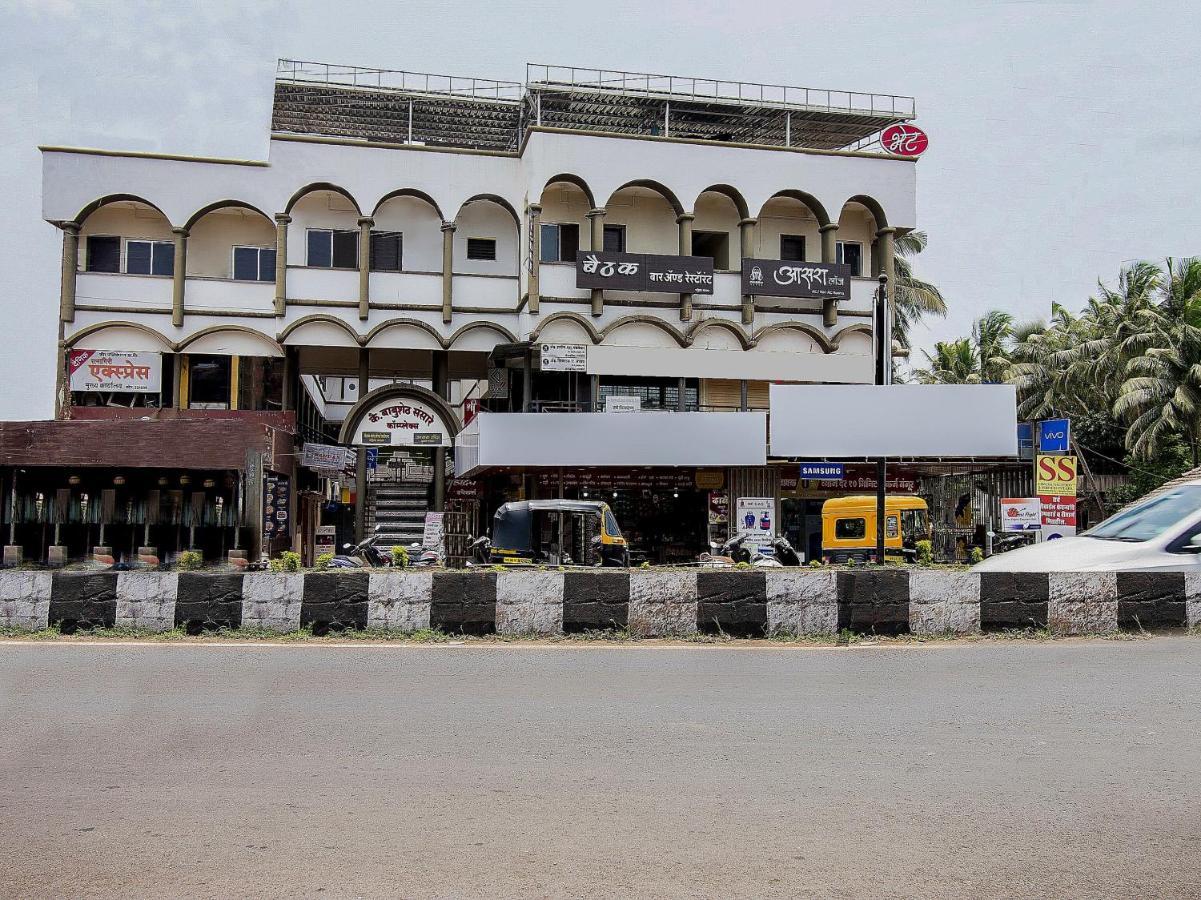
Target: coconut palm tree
column 912, row 298
column 1161, row 397
column 953, row 362
column 992, row 334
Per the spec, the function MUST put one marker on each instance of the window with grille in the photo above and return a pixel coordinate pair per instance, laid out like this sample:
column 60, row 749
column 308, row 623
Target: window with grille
column 615, row 239
column 386, row 251
column 792, row 247
column 103, row 253
column 481, row 248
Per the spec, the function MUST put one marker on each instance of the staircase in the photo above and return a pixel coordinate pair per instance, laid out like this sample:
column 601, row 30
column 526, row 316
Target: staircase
column 399, row 509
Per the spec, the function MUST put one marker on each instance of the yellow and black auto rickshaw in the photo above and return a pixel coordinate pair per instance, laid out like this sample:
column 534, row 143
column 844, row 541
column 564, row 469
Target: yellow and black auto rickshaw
column 553, row 532
column 849, row 527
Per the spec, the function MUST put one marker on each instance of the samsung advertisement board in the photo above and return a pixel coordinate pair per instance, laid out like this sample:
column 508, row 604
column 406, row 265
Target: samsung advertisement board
column 927, row 420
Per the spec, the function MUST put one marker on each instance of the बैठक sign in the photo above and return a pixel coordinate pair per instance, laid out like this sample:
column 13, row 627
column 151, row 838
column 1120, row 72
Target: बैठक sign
column 789, row 278
column 644, row 272
column 1055, row 475
column 119, row 371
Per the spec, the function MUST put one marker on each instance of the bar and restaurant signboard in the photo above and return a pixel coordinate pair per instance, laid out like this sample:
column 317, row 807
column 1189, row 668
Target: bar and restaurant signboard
column 790, row 278
column 118, row 371
column 645, row 272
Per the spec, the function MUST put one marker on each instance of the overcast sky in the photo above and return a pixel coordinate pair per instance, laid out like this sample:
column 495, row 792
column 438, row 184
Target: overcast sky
column 1064, row 136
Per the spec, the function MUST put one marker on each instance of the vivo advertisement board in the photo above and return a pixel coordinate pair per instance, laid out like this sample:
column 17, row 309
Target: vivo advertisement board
column 1054, row 436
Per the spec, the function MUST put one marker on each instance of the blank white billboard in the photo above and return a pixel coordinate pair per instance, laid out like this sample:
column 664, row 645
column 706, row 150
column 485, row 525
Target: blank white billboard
column 926, row 420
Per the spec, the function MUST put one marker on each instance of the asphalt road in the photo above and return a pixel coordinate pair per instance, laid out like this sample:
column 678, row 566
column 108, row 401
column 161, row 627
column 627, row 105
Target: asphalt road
column 1017, row 769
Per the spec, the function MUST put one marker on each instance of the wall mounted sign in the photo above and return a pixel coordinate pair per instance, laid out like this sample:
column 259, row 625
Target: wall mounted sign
column 904, row 140
column 823, row 471
column 326, row 456
column 616, row 403
column 564, row 357
column 1055, row 476
column 402, row 423
column 645, row 272
column 119, row 371
column 789, row 278
column 1021, row 514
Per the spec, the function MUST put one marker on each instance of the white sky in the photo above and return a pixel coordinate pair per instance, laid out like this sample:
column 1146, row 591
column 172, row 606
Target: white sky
column 1064, row 136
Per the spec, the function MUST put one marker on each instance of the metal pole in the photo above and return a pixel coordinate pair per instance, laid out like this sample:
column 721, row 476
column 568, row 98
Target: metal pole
column 882, row 361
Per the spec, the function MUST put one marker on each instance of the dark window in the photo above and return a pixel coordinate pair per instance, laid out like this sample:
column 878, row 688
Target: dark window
column 385, row 251
column 851, row 254
column 104, row 254
column 208, row 382
column 333, row 249
column 792, row 247
column 260, row 382
column 850, row 529
column 150, row 257
column 560, row 243
column 715, row 244
column 481, row 248
column 254, row 263
column 615, row 239
column 654, row 393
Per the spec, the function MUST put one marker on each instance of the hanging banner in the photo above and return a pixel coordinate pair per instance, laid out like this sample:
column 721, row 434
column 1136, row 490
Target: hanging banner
column 645, row 272
column 790, row 278
column 118, row 371
column 326, row 456
column 1055, row 475
column 1021, row 514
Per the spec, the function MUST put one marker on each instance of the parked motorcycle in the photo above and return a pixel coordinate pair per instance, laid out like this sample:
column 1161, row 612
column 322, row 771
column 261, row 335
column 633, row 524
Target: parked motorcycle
column 363, row 555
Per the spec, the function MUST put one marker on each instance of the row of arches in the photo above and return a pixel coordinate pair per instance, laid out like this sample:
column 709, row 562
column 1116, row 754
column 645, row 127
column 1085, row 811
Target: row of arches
column 330, row 331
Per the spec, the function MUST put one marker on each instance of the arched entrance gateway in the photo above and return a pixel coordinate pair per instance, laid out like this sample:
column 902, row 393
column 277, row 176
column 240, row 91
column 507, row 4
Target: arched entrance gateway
column 413, row 428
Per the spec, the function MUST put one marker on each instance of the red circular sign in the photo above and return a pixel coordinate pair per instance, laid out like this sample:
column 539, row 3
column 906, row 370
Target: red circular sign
column 904, row 140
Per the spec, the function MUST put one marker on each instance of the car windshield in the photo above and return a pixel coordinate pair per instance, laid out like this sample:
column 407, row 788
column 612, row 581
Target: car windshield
column 1150, row 519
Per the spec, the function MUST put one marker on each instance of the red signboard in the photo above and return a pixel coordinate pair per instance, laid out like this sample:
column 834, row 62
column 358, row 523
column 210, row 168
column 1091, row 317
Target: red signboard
column 1058, row 510
column 904, row 140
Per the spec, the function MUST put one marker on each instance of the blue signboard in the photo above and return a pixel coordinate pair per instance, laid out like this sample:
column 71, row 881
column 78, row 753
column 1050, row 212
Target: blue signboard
column 1025, row 440
column 1054, row 436
column 372, row 458
column 823, row 472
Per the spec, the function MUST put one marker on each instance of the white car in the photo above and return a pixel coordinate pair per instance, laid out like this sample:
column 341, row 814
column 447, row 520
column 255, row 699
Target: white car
column 1160, row 534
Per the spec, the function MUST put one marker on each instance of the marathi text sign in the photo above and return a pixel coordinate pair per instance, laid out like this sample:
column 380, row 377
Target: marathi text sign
column 645, row 272
column 119, row 371
column 789, row 278
column 406, row 422
column 326, row 456
column 564, row 357
column 1055, row 475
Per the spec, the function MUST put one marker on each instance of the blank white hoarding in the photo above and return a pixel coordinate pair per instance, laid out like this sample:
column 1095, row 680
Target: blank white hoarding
column 926, row 420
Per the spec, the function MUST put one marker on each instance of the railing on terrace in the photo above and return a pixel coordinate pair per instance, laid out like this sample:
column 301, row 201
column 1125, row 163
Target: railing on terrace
column 462, row 87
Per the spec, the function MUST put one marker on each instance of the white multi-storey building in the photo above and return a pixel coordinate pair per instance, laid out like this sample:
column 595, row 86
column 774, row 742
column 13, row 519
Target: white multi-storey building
column 424, row 238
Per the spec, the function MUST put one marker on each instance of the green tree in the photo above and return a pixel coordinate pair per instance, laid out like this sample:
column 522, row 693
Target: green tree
column 913, row 298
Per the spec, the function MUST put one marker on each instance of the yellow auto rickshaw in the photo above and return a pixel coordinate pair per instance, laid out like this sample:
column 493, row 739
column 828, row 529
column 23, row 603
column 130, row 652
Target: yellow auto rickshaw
column 849, row 527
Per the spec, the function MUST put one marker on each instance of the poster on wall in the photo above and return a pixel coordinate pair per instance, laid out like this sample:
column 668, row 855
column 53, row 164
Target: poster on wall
column 277, row 516
column 117, row 371
column 755, row 517
column 433, row 537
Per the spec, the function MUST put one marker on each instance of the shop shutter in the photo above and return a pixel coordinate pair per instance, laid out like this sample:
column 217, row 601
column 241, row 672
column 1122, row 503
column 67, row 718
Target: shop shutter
column 725, row 394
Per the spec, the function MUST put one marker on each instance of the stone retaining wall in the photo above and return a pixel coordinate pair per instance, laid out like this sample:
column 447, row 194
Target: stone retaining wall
column 650, row 603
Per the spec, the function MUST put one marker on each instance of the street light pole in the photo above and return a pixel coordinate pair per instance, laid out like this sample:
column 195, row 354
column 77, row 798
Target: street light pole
column 883, row 361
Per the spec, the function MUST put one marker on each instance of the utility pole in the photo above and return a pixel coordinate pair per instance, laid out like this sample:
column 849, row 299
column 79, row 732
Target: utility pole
column 883, row 362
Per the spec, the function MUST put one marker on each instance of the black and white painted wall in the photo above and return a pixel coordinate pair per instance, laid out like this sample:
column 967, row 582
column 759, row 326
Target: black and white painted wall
column 654, row 603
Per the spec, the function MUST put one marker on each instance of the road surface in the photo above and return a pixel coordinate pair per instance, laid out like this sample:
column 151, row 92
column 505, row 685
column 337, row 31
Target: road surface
column 1018, row 769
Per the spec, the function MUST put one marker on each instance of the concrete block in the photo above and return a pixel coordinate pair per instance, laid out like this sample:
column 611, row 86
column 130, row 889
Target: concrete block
column 13, row 555
column 874, row 601
column 944, row 602
column 335, row 600
column 1149, row 600
column 1192, row 599
column 25, row 599
column 209, row 601
column 1013, row 600
column 596, row 600
column 146, row 600
column 529, row 602
column 84, row 601
column 271, row 601
column 399, row 601
column 464, row 602
column 56, row 556
column 801, row 602
column 731, row 602
column 662, row 603
column 1082, row 602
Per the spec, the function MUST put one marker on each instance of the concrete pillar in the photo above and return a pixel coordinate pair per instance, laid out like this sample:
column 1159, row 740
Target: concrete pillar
column 440, row 378
column 681, row 404
column 70, row 267
column 365, row 224
column 829, row 235
column 176, row 381
column 181, row 268
column 448, row 265
column 596, row 229
column 535, row 264
column 291, row 379
column 360, row 464
column 281, row 262
column 684, row 220
column 746, row 234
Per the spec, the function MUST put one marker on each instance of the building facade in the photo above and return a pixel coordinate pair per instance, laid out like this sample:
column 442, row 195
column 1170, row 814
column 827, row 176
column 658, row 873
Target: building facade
column 418, row 272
